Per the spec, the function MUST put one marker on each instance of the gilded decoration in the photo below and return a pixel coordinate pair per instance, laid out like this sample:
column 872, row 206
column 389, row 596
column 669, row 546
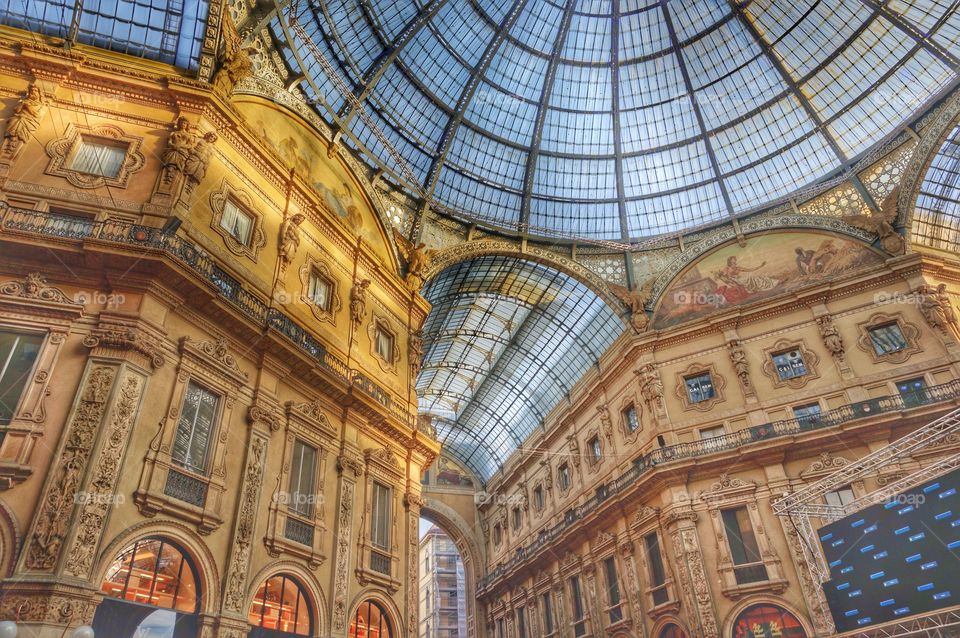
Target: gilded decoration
column 240, row 199
column 62, row 150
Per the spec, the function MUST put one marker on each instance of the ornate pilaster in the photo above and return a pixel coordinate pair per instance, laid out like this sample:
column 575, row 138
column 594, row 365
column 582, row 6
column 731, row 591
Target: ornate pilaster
column 414, row 503
column 681, row 525
column 634, row 593
column 350, row 468
column 560, row 610
column 594, row 613
column 245, row 527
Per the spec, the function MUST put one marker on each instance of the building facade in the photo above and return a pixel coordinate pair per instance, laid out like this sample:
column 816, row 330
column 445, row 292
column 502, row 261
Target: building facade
column 443, row 609
column 207, row 418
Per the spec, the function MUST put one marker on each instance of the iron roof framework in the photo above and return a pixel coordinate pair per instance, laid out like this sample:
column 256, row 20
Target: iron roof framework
column 505, row 342
column 936, row 218
column 618, row 119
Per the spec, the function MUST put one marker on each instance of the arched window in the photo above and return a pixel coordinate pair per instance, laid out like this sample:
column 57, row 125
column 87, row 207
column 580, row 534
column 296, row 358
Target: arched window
column 760, row 621
column 672, row 631
column 370, row 621
column 152, row 589
column 280, row 609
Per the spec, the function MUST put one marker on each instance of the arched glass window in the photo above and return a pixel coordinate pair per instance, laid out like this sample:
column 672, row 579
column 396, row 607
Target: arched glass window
column 153, row 572
column 672, row 631
column 760, row 621
column 280, row 609
column 151, row 589
column 370, row 621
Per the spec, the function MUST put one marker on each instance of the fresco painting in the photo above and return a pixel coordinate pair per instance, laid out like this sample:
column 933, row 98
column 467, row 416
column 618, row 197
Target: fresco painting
column 766, row 266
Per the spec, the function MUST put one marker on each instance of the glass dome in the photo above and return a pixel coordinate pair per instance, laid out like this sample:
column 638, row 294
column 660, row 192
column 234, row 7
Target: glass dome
column 618, row 119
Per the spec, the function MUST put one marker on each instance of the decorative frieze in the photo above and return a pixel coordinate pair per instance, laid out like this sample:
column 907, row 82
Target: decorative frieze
column 246, row 522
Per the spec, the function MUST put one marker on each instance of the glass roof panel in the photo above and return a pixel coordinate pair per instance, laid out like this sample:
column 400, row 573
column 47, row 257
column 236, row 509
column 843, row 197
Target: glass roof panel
column 936, row 219
column 712, row 96
column 503, row 345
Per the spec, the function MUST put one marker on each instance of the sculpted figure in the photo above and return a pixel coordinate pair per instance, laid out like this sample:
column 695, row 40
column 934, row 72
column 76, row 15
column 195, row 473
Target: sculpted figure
column 290, row 238
column 739, row 358
column 179, row 145
column 880, row 223
column 418, row 260
column 24, row 121
column 235, row 64
column 358, row 301
column 931, row 307
column 636, row 300
column 651, row 388
column 831, row 338
column 949, row 314
column 195, row 166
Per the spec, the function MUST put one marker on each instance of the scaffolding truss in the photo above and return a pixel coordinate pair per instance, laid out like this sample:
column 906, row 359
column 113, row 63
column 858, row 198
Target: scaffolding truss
column 802, row 506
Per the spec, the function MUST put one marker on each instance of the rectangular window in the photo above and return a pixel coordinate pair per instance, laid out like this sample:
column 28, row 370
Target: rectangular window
column 913, row 392
column 497, row 534
column 630, row 419
column 712, row 432
column 887, row 338
column 516, row 518
column 789, row 365
column 500, row 632
column 700, row 387
column 579, row 623
column 748, row 564
column 18, row 353
column 237, row 222
column 563, row 477
column 595, row 452
column 547, row 614
column 303, row 474
column 807, row 415
column 538, row 498
column 840, row 497
column 97, row 157
column 613, row 589
column 657, row 573
column 384, row 344
column 380, row 517
column 319, row 290
column 191, row 444
column 522, row 622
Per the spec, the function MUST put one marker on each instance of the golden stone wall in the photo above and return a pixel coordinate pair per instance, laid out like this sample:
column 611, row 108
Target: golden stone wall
column 130, row 314
column 664, row 477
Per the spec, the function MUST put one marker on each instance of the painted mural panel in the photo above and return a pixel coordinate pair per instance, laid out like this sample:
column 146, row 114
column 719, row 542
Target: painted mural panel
column 446, row 472
column 766, row 266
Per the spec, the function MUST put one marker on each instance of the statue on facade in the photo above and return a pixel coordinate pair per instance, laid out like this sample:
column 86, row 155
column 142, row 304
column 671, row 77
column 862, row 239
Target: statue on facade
column 606, row 424
column 931, row 307
column 416, row 351
column 235, row 64
column 290, row 239
column 636, row 300
column 24, row 121
column 574, row 447
column 651, row 388
column 738, row 357
column 195, row 166
column 880, row 223
column 418, row 258
column 358, row 301
column 179, row 145
column 949, row 314
column 831, row 337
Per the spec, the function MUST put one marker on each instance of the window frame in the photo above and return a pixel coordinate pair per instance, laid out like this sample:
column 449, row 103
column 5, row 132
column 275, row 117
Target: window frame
column 697, row 370
column 909, row 332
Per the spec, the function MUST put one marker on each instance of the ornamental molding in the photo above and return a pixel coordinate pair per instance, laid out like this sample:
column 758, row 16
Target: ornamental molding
column 727, row 234
column 216, row 355
column 241, row 199
column 123, row 338
column 258, row 413
column 323, row 269
column 60, row 150
column 466, row 251
column 34, row 287
column 644, row 516
column 696, row 369
column 312, row 413
column 910, row 332
column 825, row 464
column 810, row 362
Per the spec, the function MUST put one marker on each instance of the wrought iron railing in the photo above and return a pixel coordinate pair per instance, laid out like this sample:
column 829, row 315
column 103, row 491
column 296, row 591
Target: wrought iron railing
column 185, row 488
column 380, row 563
column 197, row 261
column 298, row 531
column 756, row 434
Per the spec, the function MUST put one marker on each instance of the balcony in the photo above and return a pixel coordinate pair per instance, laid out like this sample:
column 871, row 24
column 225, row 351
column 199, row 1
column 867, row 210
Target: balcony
column 138, row 237
column 744, row 438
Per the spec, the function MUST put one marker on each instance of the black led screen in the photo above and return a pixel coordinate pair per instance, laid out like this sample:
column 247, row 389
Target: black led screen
column 895, row 559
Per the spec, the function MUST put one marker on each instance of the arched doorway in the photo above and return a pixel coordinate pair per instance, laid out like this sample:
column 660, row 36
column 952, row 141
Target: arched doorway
column 152, row 591
column 766, row 619
column 448, row 520
column 672, row 630
column 281, row 609
column 370, row 620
